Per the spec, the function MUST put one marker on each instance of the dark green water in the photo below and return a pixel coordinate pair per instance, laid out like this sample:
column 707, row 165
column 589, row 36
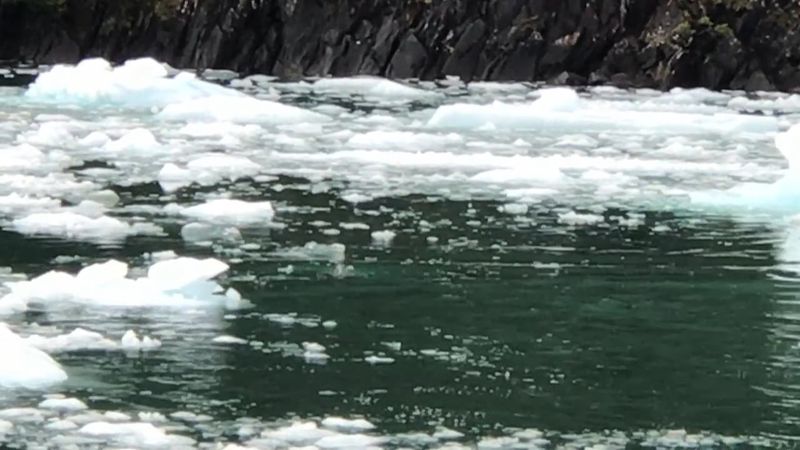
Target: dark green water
column 514, row 323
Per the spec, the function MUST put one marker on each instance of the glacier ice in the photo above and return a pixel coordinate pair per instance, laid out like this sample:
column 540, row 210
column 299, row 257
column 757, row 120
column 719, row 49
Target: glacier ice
column 31, row 367
column 563, row 109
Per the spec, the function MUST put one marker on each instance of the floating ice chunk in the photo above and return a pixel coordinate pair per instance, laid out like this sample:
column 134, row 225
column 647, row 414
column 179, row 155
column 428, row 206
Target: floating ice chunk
column 785, row 104
column 393, row 345
column 152, row 417
column 233, row 212
column 203, row 232
column 782, row 195
column 237, row 109
column 313, row 347
column 516, row 209
column 22, row 415
column 21, row 157
column 61, row 425
column 72, row 225
column 61, row 185
column 383, row 237
column 347, row 425
column 353, row 226
column 484, row 167
column 542, row 173
column 136, row 141
column 171, row 283
column 161, row 256
column 104, row 272
column 238, row 447
column 315, row 357
column 171, row 177
column 356, row 197
column 49, row 134
column 574, row 218
column 130, row 341
column 219, row 129
column 181, row 272
column 188, row 416
column 371, row 87
column 6, row 427
column 374, row 360
column 95, row 139
column 224, row 165
column 789, row 145
column 15, row 204
column 497, row 443
column 78, row 339
column 63, row 404
column 313, row 251
column 298, row 433
column 229, row 340
column 446, row 434
column 106, row 198
column 563, row 109
column 25, row 366
column 131, row 434
column 207, row 170
column 139, row 83
column 349, row 441
column 402, row 140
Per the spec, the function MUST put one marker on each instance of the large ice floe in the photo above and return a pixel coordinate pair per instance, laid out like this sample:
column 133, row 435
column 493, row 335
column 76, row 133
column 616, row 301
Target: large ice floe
column 24, row 365
column 227, row 212
column 175, row 283
column 564, row 109
column 372, row 88
column 146, row 83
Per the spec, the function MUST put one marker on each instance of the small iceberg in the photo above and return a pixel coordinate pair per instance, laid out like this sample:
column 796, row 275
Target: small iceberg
column 25, row 366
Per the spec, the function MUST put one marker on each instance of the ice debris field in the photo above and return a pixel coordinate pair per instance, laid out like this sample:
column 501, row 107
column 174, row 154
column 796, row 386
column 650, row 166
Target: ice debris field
column 221, row 171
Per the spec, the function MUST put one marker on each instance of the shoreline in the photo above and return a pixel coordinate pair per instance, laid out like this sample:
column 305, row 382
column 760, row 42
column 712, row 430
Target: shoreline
column 661, row 44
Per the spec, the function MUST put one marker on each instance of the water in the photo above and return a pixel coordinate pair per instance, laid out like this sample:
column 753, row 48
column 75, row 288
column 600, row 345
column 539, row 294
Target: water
column 573, row 286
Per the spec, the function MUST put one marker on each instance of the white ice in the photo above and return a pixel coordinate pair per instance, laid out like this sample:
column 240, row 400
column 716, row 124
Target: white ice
column 178, row 282
column 207, row 170
column 25, row 366
column 563, row 109
column 237, row 109
column 134, row 434
column 71, row 224
column 78, row 339
column 371, row 87
column 63, row 404
column 131, row 341
column 225, row 339
column 139, row 83
column 230, row 212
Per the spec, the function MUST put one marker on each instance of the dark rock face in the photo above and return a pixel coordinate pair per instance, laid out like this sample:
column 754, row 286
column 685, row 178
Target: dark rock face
column 740, row 44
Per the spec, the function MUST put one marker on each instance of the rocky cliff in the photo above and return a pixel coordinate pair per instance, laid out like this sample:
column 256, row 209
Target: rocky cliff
column 740, row 44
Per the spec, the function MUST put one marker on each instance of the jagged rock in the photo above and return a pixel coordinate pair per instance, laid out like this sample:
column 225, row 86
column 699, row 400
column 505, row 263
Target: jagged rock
column 744, row 44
